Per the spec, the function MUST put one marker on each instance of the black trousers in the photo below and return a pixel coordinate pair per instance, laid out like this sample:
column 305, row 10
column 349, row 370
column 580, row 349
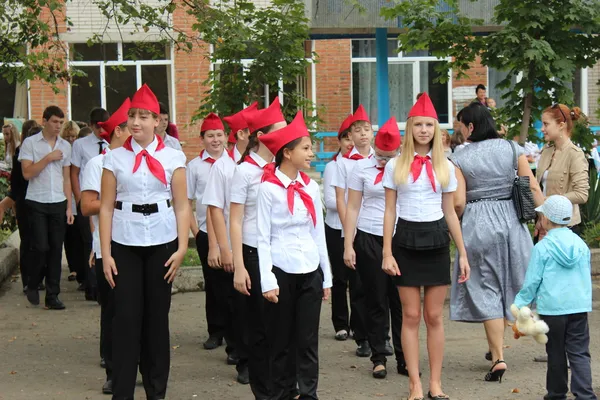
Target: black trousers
column 83, row 223
column 569, row 337
column 74, row 250
column 220, row 296
column 24, row 225
column 259, row 366
column 142, row 299
column 106, row 299
column 382, row 297
column 293, row 323
column 47, row 221
column 342, row 278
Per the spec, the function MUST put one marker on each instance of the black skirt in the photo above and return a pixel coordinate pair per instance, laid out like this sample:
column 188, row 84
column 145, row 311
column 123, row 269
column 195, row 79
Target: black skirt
column 422, row 251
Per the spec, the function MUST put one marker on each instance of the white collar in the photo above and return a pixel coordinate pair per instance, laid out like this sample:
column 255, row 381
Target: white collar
column 355, row 151
column 259, row 160
column 428, row 154
column 151, row 149
column 285, row 180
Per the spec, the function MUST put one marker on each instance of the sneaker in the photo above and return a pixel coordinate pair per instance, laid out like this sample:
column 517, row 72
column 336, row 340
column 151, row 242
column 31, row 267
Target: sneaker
column 363, row 350
column 54, row 303
column 341, row 335
column 213, row 342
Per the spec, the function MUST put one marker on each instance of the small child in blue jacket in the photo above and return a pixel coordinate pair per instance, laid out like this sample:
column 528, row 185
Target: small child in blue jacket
column 559, row 281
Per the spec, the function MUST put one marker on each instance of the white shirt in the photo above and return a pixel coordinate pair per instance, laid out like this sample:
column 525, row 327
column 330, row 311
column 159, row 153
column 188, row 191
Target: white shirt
column 84, row 150
column 291, row 242
column 345, row 166
column 92, row 181
column 218, row 186
column 362, row 179
column 417, row 202
column 332, row 218
column 47, row 187
column 244, row 190
column 141, row 187
column 532, row 149
column 197, row 176
column 237, row 156
column 171, row 142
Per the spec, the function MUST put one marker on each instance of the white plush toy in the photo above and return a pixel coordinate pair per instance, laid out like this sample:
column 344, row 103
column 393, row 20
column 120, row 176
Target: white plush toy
column 529, row 324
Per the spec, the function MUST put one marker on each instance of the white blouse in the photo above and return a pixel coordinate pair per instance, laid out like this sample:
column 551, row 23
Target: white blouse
column 290, row 242
column 362, row 179
column 197, row 174
column 92, row 181
column 417, row 202
column 244, row 190
column 141, row 187
column 332, row 218
column 345, row 166
column 218, row 186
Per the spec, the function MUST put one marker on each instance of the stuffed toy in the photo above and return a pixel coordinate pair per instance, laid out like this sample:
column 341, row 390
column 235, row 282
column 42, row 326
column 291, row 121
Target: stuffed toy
column 529, row 324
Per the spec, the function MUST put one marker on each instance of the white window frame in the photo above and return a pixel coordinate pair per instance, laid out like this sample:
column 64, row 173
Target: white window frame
column 138, row 73
column 27, row 83
column 415, row 61
column 246, row 62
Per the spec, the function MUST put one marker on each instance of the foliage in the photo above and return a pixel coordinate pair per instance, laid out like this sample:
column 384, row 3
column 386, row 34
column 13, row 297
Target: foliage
column 191, row 258
column 591, row 236
column 590, row 211
column 582, row 135
column 545, row 41
column 9, row 222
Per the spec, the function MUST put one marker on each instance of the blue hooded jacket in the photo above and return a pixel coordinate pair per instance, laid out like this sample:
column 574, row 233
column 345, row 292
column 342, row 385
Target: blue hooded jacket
column 558, row 277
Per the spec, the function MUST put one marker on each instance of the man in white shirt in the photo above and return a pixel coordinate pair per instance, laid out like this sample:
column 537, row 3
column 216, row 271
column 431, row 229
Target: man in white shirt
column 161, row 129
column 45, row 159
column 84, row 150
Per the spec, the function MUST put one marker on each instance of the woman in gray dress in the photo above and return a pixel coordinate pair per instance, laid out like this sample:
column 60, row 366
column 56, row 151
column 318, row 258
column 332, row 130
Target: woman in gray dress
column 498, row 244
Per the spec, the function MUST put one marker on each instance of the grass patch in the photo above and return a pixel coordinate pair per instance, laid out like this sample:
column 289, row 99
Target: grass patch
column 191, row 259
column 4, row 234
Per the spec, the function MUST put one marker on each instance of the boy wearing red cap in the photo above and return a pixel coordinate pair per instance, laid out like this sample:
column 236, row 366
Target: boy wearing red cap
column 144, row 230
column 361, row 134
column 294, row 265
column 364, row 215
column 335, row 241
column 115, row 132
column 217, row 282
column 419, row 186
column 238, row 131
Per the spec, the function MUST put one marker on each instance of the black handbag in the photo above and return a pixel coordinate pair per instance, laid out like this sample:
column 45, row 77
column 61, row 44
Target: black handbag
column 521, row 193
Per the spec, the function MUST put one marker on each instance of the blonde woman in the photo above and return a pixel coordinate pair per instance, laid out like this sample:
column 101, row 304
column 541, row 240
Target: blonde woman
column 447, row 143
column 419, row 185
column 69, row 131
column 11, row 142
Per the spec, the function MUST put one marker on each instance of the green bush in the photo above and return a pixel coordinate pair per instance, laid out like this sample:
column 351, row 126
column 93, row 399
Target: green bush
column 590, row 211
column 10, row 222
column 591, row 236
column 191, row 258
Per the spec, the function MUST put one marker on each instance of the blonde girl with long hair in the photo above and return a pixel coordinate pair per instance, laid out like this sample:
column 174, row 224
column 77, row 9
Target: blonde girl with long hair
column 11, row 142
column 69, row 131
column 419, row 186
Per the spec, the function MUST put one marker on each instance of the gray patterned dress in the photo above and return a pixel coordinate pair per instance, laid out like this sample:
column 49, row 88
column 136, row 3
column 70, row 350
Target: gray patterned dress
column 498, row 245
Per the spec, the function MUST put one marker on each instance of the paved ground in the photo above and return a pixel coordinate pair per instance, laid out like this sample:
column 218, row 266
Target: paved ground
column 54, row 355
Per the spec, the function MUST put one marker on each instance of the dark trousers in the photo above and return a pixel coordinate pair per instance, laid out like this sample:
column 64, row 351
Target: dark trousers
column 293, row 323
column 569, row 336
column 259, row 367
column 219, row 289
column 74, row 250
column 83, row 223
column 142, row 299
column 25, row 233
column 107, row 312
column 47, row 221
column 382, row 297
column 342, row 278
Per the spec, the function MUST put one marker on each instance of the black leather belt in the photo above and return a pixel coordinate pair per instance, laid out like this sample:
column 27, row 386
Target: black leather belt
column 145, row 209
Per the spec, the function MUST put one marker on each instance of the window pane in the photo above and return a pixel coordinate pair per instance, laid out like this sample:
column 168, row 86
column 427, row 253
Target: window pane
column 494, row 78
column 85, row 93
column 418, row 53
column 400, row 78
column 158, row 78
column 145, row 51
column 95, row 52
column 7, row 100
column 364, row 88
column 366, row 48
column 120, row 83
column 437, row 91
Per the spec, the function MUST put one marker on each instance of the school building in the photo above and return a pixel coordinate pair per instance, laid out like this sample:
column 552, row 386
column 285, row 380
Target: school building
column 346, row 75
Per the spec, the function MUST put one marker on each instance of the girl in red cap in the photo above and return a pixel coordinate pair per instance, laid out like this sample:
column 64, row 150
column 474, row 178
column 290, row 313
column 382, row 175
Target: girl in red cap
column 144, row 228
column 239, row 133
column 244, row 190
column 362, row 251
column 419, row 191
column 335, row 242
column 294, row 265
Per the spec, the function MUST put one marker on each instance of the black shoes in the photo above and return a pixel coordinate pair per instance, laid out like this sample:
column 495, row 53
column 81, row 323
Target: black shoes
column 402, row 369
column 91, row 294
column 213, row 342
column 363, row 350
column 232, row 359
column 41, row 286
column 33, row 296
column 54, row 303
column 102, row 363
column 389, row 350
column 381, row 373
column 243, row 376
column 107, row 388
column 81, row 287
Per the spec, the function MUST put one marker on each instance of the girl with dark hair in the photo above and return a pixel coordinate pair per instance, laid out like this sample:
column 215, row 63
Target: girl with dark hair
column 294, row 265
column 239, row 132
column 498, row 244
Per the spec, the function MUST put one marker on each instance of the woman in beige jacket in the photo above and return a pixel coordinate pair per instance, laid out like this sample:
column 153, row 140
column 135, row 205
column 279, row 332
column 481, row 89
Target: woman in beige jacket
column 563, row 167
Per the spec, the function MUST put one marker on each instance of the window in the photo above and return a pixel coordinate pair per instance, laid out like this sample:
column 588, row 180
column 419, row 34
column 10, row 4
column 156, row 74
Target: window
column 496, row 76
column 408, row 74
column 110, row 72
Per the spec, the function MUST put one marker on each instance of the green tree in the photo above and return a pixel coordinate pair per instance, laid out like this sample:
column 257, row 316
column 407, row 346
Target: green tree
column 545, row 41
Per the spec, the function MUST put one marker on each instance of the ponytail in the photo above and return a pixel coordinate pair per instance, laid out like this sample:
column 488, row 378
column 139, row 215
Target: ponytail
column 253, row 141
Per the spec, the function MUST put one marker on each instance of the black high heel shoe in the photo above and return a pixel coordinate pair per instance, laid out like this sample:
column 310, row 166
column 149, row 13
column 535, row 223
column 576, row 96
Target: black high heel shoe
column 495, row 376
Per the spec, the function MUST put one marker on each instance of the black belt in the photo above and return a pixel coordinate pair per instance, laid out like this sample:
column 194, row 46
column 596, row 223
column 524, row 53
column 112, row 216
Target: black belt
column 145, row 209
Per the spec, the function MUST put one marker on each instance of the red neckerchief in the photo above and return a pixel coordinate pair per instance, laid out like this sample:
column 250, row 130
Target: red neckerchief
column 379, row 176
column 103, row 152
column 335, row 157
column 231, row 154
column 356, row 156
column 154, row 165
column 208, row 159
column 417, row 166
column 251, row 160
column 269, row 176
